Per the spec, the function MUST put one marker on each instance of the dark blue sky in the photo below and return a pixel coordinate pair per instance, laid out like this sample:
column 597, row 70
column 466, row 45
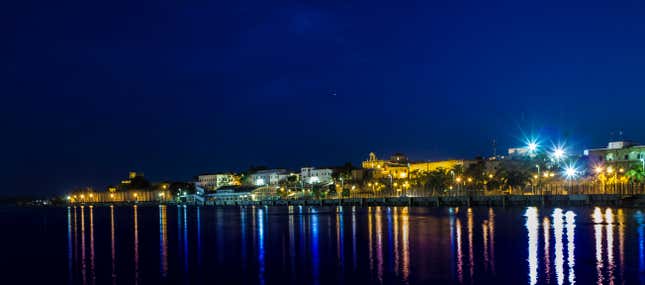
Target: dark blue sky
column 91, row 90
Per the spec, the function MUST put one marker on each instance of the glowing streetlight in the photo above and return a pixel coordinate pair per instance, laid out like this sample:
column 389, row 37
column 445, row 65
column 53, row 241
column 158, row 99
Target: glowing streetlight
column 570, row 172
column 559, row 153
column 532, row 146
column 598, row 169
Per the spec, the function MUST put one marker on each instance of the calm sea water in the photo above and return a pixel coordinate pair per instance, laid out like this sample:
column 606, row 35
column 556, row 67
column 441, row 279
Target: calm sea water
column 322, row 245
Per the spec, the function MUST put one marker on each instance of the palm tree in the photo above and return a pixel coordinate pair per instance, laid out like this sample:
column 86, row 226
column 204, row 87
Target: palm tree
column 636, row 174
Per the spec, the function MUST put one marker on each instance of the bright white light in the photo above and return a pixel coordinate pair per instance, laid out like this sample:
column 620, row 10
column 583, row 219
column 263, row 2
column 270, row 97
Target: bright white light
column 570, row 172
column 559, row 153
column 314, row 179
column 259, row 182
column 533, row 146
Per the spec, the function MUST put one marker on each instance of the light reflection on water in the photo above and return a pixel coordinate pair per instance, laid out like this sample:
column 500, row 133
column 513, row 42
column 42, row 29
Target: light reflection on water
column 377, row 245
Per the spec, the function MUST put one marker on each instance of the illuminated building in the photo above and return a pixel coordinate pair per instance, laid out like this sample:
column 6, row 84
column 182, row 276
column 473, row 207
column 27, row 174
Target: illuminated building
column 217, row 180
column 396, row 167
column 434, row 165
column 617, row 153
column 269, row 177
column 311, row 175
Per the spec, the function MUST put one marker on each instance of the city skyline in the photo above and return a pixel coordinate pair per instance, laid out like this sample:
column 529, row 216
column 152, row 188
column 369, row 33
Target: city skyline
column 92, row 91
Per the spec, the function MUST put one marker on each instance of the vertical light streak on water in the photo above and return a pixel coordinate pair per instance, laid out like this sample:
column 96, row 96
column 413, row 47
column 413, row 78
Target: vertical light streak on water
column 75, row 237
column 92, row 256
column 597, row 219
column 292, row 242
column 640, row 219
column 405, row 239
column 302, row 235
column 609, row 220
column 179, row 243
column 532, row 228
column 485, row 242
column 396, row 242
column 354, row 257
column 460, row 262
column 379, row 244
column 340, row 236
column 546, row 228
column 243, row 236
column 83, row 264
column 185, row 240
column 491, row 233
column 261, row 254
column 621, row 242
column 390, row 238
column 315, row 250
column 199, row 237
column 451, row 219
column 112, row 244
column 370, row 238
column 136, row 244
column 69, row 244
column 571, row 247
column 219, row 234
column 471, row 256
column 558, row 229
column 163, row 240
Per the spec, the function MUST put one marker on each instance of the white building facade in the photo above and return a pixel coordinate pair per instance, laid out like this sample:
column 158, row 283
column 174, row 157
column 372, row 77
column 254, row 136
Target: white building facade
column 269, row 177
column 214, row 181
column 311, row 175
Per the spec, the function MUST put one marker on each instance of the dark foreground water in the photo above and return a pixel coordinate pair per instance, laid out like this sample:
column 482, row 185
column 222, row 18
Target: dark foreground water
column 322, row 245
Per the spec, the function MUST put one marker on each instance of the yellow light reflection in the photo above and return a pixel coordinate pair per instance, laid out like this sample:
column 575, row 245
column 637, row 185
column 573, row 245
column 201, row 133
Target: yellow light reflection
column 621, row 242
column 83, row 264
column 92, row 260
column 396, row 239
column 163, row 236
column 379, row 244
column 546, row 227
column 136, row 244
column 491, row 234
column 459, row 255
column 370, row 239
column 485, row 241
column 405, row 237
column 471, row 257
column 112, row 244
column 609, row 219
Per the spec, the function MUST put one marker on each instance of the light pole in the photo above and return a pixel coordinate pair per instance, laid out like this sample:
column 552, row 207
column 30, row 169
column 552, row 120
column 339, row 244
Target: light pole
column 538, row 177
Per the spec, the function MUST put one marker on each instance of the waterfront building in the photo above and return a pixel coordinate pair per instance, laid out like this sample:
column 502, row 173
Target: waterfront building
column 269, row 177
column 311, row 175
column 232, row 193
column 428, row 166
column 396, row 167
column 216, row 180
column 620, row 154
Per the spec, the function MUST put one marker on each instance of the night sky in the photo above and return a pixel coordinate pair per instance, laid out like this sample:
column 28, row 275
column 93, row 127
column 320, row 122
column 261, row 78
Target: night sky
column 93, row 89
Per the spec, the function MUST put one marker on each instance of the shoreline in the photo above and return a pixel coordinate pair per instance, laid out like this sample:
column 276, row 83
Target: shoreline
column 579, row 200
